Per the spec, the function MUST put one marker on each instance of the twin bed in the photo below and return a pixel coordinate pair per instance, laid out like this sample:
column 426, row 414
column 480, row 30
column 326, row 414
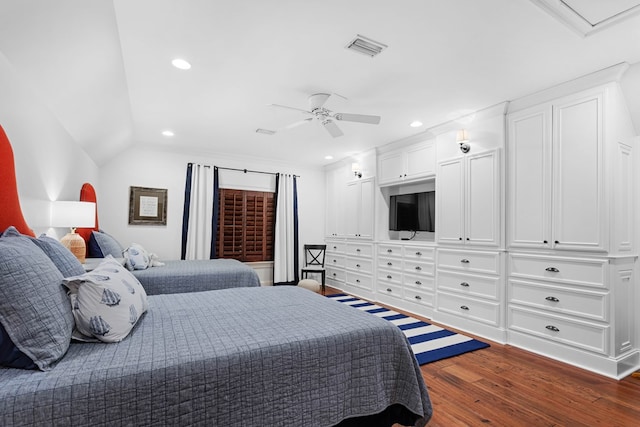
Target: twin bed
column 245, row 356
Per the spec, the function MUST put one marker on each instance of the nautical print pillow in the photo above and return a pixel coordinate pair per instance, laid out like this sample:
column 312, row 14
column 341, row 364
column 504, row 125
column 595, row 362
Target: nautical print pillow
column 136, row 257
column 106, row 302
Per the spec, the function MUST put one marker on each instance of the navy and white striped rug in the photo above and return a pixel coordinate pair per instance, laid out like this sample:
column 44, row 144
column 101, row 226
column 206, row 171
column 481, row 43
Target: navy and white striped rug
column 429, row 342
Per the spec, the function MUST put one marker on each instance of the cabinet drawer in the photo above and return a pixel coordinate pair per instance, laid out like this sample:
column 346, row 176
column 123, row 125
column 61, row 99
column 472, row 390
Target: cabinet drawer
column 420, row 268
column 388, row 250
column 334, row 261
column 481, row 311
column 419, row 297
column 590, row 304
column 479, row 262
column 566, row 330
column 336, row 247
column 361, row 265
column 360, row 280
column 390, row 263
column 577, row 271
column 360, row 249
column 419, row 254
column 335, row 274
column 390, row 289
column 469, row 284
column 389, row 276
column 418, row 281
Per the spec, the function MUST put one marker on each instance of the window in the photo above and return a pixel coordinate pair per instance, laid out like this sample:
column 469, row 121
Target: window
column 246, row 225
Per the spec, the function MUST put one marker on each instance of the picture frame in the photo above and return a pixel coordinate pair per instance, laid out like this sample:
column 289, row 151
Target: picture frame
column 147, row 206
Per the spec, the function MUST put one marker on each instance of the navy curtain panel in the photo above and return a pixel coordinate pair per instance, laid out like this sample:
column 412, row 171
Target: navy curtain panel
column 185, row 210
column 216, row 213
column 200, row 212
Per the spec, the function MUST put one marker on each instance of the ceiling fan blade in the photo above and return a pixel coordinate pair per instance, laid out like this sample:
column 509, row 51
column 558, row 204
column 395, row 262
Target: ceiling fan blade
column 360, row 118
column 300, row 110
column 332, row 128
column 296, row 124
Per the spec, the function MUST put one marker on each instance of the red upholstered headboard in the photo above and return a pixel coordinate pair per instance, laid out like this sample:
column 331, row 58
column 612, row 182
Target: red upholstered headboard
column 10, row 211
column 88, row 194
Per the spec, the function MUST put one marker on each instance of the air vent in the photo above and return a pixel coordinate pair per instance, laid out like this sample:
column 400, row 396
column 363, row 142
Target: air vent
column 265, row 131
column 366, row 46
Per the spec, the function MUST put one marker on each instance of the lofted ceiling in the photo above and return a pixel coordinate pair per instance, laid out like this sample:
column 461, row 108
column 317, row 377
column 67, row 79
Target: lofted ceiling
column 104, row 69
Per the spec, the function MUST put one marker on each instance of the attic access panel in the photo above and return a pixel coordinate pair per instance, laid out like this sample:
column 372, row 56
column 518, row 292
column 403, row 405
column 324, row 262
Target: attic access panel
column 587, row 16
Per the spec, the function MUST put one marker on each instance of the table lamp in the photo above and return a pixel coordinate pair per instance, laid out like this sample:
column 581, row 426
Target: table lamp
column 73, row 215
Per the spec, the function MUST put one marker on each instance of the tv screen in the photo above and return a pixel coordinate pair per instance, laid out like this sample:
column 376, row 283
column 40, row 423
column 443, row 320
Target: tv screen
column 413, row 212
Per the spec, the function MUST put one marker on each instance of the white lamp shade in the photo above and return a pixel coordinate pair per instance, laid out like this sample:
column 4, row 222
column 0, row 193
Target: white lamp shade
column 355, row 167
column 462, row 136
column 73, row 214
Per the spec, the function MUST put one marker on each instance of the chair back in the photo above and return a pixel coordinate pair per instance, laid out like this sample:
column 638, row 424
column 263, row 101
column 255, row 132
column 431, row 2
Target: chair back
column 314, row 255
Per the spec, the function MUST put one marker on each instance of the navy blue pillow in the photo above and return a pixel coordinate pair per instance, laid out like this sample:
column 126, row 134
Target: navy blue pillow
column 10, row 355
column 102, row 244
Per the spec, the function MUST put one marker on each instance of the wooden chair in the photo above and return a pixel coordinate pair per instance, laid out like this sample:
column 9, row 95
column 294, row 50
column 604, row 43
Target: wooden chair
column 314, row 262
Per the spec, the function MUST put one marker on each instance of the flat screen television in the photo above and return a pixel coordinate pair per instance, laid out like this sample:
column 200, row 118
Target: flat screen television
column 413, row 212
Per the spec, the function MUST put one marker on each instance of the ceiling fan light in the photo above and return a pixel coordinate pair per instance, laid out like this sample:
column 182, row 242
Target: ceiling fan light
column 366, row 46
column 265, row 131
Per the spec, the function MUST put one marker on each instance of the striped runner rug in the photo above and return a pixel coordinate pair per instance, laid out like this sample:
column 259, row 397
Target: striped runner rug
column 429, row 342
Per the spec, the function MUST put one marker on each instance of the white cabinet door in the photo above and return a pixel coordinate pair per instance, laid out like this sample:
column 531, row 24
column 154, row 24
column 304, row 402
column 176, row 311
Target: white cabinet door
column 420, row 161
column 359, row 209
column 390, row 167
column 367, row 189
column 578, row 197
column 450, row 201
column 482, row 200
column 334, row 202
column 529, row 183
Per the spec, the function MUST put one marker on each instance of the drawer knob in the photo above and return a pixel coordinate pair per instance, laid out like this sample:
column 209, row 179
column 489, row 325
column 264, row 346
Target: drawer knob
column 464, row 261
column 335, row 260
column 545, row 241
column 389, row 276
column 418, row 282
column 552, row 299
column 418, row 268
column 389, row 263
column 556, row 242
column 389, row 290
column 358, row 265
column 335, row 247
column 418, row 297
column 464, row 307
column 465, row 284
column 552, row 328
column 389, row 250
column 334, row 274
column 357, row 280
column 552, row 270
column 418, row 253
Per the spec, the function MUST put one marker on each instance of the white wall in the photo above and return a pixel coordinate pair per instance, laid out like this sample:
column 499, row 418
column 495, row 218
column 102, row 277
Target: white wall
column 50, row 165
column 163, row 169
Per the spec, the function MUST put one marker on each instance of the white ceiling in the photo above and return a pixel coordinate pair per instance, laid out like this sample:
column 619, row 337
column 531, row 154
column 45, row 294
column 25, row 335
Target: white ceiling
column 103, row 67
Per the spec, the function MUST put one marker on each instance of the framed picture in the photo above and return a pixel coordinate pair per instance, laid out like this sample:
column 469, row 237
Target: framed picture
column 147, row 206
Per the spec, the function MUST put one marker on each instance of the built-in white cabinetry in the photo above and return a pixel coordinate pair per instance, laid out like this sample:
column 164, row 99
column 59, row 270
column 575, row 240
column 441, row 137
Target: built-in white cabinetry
column 408, row 164
column 405, row 276
column 358, row 208
column 469, row 199
column 565, row 175
column 574, row 309
column 334, row 201
column 350, row 266
column 470, row 291
column 334, row 263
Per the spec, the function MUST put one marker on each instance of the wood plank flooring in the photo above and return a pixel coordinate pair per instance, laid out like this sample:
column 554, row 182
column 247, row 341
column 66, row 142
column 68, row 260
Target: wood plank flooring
column 506, row 386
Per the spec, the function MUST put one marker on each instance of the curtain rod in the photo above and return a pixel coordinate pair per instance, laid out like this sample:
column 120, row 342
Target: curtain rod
column 245, row 170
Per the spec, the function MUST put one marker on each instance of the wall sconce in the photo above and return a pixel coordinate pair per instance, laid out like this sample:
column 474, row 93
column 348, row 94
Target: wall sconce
column 355, row 168
column 73, row 215
column 462, row 138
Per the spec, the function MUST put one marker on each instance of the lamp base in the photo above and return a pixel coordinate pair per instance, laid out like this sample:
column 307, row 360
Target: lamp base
column 76, row 245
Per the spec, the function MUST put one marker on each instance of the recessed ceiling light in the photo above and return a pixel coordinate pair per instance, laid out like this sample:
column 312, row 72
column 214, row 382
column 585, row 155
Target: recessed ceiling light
column 415, row 124
column 167, row 133
column 328, row 157
column 181, row 63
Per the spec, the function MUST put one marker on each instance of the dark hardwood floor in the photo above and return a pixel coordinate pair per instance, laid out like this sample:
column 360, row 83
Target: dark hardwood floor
column 506, row 386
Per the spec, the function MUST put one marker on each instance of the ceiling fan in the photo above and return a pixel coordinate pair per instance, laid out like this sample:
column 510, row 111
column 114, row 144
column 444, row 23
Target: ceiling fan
column 324, row 116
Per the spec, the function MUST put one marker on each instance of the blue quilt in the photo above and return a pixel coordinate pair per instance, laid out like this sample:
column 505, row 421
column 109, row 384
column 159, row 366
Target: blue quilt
column 272, row 356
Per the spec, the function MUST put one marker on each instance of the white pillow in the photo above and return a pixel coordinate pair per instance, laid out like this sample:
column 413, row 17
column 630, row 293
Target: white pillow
column 136, row 257
column 106, row 302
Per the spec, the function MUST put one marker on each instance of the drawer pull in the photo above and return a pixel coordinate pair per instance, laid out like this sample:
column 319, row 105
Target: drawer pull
column 389, row 263
column 418, row 268
column 389, row 276
column 418, row 282
column 389, row 251
column 465, row 284
column 557, row 242
column 552, row 270
column 418, row 253
column 335, row 260
column 552, row 299
column 358, row 265
column 357, row 280
column 464, row 261
column 358, row 250
column 552, row 328
column 464, row 307
column 418, row 297
column 335, row 247
column 389, row 290
column 334, row 274
column 545, row 241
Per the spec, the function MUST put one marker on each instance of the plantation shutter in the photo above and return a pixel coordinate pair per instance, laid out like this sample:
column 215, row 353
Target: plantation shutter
column 245, row 228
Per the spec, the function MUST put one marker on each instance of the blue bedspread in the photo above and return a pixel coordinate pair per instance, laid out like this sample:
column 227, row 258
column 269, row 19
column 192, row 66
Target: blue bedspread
column 265, row 356
column 195, row 276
